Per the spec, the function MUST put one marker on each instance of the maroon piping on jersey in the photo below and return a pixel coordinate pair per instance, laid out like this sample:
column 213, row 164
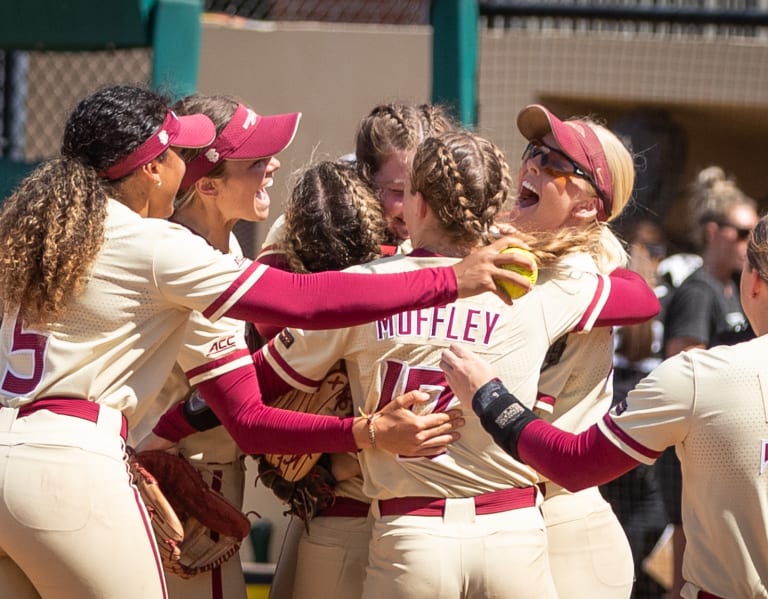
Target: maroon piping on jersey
column 650, row 453
column 591, row 310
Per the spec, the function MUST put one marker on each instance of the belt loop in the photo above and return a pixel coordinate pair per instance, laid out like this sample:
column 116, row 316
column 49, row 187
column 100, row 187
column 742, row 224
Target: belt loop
column 7, row 418
column 111, row 421
column 459, row 509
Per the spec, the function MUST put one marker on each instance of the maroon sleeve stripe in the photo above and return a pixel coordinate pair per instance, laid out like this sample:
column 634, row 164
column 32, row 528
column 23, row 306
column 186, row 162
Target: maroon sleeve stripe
column 285, row 367
column 230, row 291
column 214, row 364
column 625, row 438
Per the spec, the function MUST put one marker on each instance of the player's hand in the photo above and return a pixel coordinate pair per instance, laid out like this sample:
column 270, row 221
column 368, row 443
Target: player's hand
column 479, row 271
column 153, row 441
column 465, row 372
column 400, row 431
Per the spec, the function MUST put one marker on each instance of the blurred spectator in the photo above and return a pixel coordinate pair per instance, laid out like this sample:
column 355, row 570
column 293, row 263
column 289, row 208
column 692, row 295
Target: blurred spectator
column 705, row 310
column 635, row 496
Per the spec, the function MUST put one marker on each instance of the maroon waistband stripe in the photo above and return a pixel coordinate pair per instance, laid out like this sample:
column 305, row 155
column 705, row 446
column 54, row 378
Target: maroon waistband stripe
column 346, row 507
column 487, row 503
column 69, row 406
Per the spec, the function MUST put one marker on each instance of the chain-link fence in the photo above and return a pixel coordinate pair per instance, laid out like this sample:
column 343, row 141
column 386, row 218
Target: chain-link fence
column 40, row 88
column 399, row 12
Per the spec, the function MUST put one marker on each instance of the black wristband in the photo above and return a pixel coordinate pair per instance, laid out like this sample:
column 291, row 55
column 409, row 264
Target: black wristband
column 198, row 414
column 502, row 415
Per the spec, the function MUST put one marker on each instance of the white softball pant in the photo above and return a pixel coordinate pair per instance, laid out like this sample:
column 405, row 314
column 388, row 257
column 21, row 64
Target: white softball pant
column 588, row 548
column 72, row 526
column 460, row 554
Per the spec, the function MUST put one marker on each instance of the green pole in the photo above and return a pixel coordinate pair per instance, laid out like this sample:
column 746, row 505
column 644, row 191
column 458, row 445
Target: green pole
column 454, row 57
column 176, row 33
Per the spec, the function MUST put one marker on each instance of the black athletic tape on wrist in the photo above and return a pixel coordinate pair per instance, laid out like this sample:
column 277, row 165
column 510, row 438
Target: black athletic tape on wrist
column 199, row 415
column 502, row 415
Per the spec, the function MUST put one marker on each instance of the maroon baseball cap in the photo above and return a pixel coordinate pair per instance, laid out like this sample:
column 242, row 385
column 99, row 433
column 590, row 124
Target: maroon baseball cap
column 247, row 136
column 576, row 140
column 193, row 131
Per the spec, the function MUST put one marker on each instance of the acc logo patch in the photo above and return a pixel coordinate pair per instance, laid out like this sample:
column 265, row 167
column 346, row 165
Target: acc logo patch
column 221, row 345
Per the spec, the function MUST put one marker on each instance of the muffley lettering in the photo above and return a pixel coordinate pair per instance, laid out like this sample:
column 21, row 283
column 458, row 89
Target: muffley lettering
column 451, row 323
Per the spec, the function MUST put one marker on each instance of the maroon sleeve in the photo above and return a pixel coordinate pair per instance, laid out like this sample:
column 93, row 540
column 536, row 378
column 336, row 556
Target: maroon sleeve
column 275, row 260
column 172, row 425
column 574, row 461
column 329, row 300
column 271, row 385
column 630, row 300
column 235, row 397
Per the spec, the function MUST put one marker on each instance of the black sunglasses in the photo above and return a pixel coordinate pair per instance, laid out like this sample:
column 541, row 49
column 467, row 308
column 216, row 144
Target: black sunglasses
column 557, row 162
column 741, row 233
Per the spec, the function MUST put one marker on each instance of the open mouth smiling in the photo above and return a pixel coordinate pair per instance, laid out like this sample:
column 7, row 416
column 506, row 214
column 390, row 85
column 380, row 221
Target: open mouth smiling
column 527, row 196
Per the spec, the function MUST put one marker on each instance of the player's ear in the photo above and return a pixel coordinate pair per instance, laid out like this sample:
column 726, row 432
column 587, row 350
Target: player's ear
column 151, row 171
column 755, row 283
column 207, row 186
column 710, row 229
column 421, row 205
column 585, row 208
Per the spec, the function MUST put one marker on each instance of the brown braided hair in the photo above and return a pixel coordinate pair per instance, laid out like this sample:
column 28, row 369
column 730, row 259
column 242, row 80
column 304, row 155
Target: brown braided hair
column 395, row 127
column 465, row 180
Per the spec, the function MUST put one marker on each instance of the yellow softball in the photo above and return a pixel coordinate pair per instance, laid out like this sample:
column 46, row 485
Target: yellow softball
column 515, row 291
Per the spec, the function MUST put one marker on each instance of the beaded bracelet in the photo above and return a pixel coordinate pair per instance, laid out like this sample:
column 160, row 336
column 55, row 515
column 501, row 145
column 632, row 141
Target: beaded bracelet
column 369, row 418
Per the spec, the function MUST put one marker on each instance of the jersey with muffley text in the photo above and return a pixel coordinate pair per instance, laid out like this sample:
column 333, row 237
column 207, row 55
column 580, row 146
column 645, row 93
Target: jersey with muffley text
column 713, row 407
column 142, row 300
column 401, row 353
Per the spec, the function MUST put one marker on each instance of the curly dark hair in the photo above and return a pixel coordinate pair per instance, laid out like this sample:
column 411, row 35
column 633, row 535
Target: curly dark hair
column 333, row 220
column 52, row 226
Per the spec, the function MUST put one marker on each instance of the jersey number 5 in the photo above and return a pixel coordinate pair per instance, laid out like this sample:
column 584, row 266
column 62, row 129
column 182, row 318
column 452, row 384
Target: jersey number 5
column 24, row 341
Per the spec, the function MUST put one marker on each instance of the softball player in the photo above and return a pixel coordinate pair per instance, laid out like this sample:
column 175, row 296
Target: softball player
column 96, row 300
column 705, row 310
column 335, row 208
column 572, row 174
column 423, row 506
column 709, row 404
column 215, row 195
